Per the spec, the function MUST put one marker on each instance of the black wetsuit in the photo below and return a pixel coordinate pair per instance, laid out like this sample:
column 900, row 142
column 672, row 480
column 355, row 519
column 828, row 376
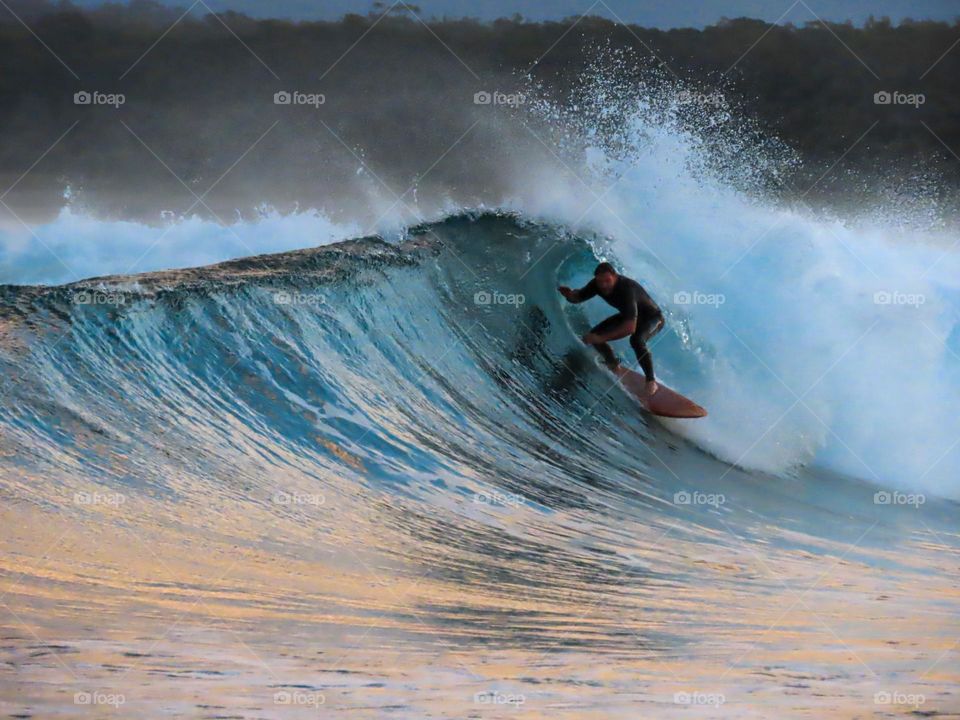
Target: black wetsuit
column 629, row 297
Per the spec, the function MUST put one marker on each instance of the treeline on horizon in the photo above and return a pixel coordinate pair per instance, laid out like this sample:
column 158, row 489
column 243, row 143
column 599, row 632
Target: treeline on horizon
column 813, row 86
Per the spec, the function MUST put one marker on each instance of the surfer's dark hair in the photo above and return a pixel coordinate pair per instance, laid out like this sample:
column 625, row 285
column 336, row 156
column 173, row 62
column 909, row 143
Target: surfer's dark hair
column 604, row 267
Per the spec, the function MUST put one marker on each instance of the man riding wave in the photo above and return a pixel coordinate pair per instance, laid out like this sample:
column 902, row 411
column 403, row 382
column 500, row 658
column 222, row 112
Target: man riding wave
column 639, row 317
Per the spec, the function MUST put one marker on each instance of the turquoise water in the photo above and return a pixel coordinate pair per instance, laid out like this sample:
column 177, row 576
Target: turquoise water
column 388, row 480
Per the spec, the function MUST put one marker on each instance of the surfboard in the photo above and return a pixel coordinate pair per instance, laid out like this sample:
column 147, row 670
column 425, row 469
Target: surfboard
column 665, row 402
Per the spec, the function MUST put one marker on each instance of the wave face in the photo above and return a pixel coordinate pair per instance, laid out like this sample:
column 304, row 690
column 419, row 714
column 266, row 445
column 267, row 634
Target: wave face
column 825, row 346
column 413, row 363
column 791, row 352
column 388, row 451
column 806, row 351
column 447, row 367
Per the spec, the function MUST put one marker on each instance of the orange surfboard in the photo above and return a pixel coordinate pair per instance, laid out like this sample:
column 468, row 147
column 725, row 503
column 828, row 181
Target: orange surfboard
column 665, row 402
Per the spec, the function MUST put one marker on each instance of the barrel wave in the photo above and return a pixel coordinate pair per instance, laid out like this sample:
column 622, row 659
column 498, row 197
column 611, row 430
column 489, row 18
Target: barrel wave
column 374, row 455
column 459, row 330
column 405, row 366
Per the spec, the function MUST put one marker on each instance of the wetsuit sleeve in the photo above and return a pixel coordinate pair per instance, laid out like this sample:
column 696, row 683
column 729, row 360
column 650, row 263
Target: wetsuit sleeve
column 586, row 292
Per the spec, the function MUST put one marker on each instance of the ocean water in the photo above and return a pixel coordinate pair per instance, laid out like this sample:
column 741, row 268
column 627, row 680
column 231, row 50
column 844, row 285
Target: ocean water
column 376, row 475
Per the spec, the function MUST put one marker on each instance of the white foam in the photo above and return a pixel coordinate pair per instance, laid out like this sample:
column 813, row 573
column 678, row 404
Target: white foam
column 836, row 344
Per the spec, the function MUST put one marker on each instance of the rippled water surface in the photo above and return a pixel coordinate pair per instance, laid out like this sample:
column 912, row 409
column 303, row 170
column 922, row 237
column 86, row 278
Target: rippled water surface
column 362, row 481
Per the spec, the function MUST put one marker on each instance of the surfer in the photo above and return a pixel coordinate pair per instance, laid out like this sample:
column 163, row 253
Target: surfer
column 638, row 316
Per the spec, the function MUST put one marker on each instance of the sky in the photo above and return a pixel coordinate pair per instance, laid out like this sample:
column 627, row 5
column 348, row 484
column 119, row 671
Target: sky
column 649, row 13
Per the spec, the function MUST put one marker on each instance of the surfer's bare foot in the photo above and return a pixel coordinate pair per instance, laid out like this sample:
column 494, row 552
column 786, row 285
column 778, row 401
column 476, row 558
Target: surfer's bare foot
column 652, row 387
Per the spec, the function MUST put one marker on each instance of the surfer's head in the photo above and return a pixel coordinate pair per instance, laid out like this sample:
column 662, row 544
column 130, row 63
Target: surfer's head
column 605, row 277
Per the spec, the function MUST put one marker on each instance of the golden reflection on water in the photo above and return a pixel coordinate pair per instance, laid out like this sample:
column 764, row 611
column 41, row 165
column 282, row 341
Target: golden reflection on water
column 379, row 608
